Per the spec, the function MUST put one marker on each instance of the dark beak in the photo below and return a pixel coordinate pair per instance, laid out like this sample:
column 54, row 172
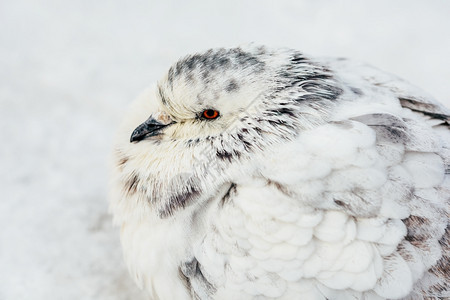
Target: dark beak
column 149, row 128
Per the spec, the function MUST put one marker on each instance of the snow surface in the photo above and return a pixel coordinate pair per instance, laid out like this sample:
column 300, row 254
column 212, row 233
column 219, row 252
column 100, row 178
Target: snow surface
column 68, row 70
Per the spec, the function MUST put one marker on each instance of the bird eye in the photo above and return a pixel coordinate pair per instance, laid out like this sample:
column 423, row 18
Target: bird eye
column 210, row 114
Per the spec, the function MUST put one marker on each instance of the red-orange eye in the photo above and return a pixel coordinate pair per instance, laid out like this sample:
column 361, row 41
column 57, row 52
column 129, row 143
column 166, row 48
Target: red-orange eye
column 210, row 114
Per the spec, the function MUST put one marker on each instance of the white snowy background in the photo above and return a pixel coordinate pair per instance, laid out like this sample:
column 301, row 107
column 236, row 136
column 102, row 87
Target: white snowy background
column 68, row 70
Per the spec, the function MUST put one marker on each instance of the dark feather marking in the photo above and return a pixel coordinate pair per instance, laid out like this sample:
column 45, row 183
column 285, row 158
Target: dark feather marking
column 186, row 281
column 442, row 269
column 276, row 123
column 224, row 155
column 191, row 270
column 282, row 111
column 312, row 77
column 190, row 78
column 179, row 200
column 247, row 145
column 387, row 127
column 123, row 161
column 428, row 109
column 185, row 189
column 298, row 58
column 417, row 229
column 206, row 76
column 416, row 104
column 131, row 184
column 279, row 187
column 343, row 124
column 406, row 255
column 236, row 154
column 341, row 203
column 170, row 76
column 241, row 137
column 308, row 98
column 418, row 243
column 232, row 86
column 162, row 96
column 356, row 91
column 395, row 134
column 192, row 62
column 178, row 68
column 226, row 198
column 311, row 86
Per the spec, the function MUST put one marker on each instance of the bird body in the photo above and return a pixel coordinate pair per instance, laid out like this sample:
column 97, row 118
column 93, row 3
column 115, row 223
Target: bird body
column 263, row 173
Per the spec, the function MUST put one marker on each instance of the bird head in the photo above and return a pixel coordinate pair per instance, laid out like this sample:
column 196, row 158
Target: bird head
column 210, row 114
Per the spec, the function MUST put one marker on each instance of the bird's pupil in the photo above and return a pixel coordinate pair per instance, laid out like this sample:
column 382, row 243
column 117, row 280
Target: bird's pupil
column 210, row 114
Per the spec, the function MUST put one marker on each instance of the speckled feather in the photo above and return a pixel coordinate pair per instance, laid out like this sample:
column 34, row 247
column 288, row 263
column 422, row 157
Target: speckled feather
column 321, row 179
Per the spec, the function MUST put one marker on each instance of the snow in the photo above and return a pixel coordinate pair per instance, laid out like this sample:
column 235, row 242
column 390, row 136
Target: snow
column 68, row 70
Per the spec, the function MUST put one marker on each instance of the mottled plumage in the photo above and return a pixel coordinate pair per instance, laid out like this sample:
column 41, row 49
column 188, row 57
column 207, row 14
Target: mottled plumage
column 318, row 179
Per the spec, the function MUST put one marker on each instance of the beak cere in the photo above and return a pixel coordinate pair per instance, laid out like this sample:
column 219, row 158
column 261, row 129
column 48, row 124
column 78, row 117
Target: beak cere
column 149, row 128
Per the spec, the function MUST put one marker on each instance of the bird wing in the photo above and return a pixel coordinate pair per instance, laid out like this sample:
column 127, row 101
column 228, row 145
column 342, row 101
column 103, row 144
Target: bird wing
column 422, row 232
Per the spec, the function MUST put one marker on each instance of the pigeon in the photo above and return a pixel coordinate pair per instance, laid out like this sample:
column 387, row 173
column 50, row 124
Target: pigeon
column 264, row 173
